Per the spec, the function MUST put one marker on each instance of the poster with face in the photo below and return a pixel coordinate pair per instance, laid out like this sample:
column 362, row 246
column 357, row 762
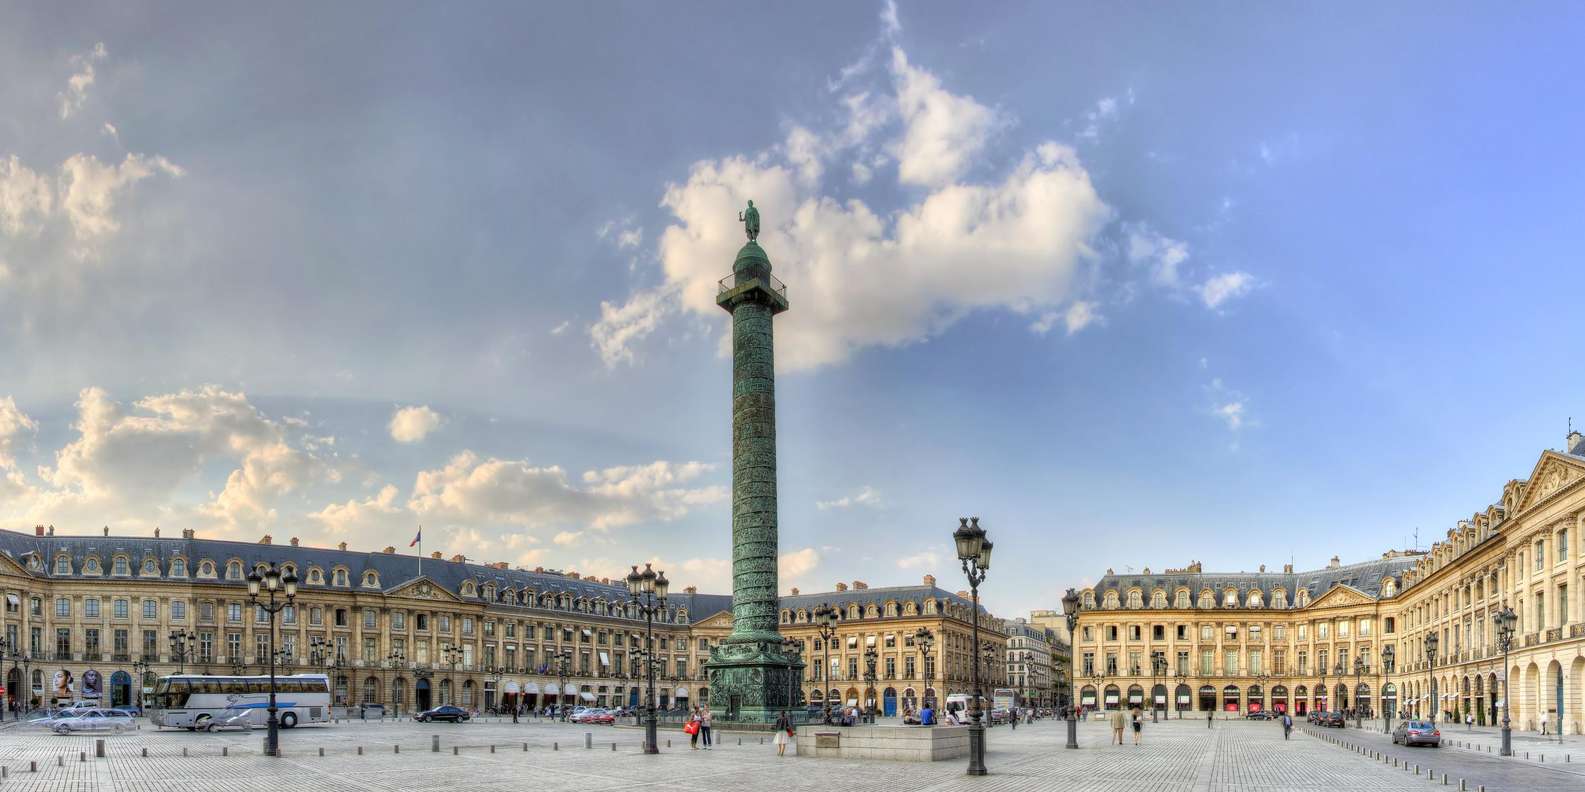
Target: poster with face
column 63, row 684
column 91, row 682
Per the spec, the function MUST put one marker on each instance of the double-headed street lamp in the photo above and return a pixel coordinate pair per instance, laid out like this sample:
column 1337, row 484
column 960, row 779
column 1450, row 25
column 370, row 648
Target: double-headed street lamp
column 974, row 552
column 924, row 639
column 1430, row 656
column 871, row 657
column 182, row 647
column 268, row 585
column 1183, row 682
column 563, row 669
column 825, row 619
column 1387, row 655
column 26, row 680
column 140, row 668
column 394, row 662
column 794, row 648
column 648, row 591
column 1360, row 669
column 1505, row 620
column 451, row 655
column 1158, row 669
column 1070, row 611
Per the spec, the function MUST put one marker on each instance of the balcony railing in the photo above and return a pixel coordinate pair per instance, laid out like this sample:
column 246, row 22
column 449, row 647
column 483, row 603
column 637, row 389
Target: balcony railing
column 734, row 281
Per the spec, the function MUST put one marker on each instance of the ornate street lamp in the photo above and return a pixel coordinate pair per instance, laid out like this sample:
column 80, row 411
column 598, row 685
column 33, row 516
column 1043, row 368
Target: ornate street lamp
column 271, row 583
column 181, row 648
column 140, row 668
column 1360, row 669
column 792, row 647
column 871, row 657
column 394, row 661
column 1158, row 669
column 1387, row 655
column 1505, row 620
column 924, row 639
column 563, row 668
column 27, row 683
column 974, row 552
column 825, row 619
column 1182, row 680
column 1070, row 611
column 452, row 654
column 1430, row 656
column 648, row 591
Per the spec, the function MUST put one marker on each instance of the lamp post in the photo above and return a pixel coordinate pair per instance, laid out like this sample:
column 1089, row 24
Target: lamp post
column 1505, row 620
column 1158, row 669
column 563, row 668
column 394, row 661
column 181, row 648
column 825, row 619
column 648, row 591
column 269, row 584
column 140, row 668
column 925, row 640
column 1182, row 680
column 1430, row 656
column 871, row 657
column 792, row 647
column 9, row 693
column 974, row 552
column 1070, row 612
column 452, row 653
column 27, row 684
column 1326, row 695
column 1387, row 655
column 1360, row 669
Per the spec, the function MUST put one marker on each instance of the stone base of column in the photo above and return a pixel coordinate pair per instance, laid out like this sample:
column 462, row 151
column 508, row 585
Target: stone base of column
column 750, row 681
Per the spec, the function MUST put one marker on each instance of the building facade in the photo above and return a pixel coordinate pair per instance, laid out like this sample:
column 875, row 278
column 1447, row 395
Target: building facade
column 1029, row 662
column 82, row 612
column 1355, row 636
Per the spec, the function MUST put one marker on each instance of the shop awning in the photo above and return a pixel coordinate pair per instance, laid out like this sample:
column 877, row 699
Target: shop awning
column 510, row 686
column 586, row 696
column 551, row 689
column 587, row 632
column 681, row 692
column 531, row 687
column 605, row 659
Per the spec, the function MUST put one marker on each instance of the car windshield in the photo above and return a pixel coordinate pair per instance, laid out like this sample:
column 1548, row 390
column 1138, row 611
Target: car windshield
column 1418, row 725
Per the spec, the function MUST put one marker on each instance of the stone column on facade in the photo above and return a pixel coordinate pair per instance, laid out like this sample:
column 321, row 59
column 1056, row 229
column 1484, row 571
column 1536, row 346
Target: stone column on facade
column 749, row 671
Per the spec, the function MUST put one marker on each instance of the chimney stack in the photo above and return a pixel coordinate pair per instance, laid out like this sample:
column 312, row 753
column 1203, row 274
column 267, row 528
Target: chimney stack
column 842, row 587
column 1263, row 567
column 389, row 550
column 930, row 580
column 52, row 530
column 435, row 555
column 265, row 540
column 38, row 530
column 1287, row 569
column 859, row 585
column 692, row 590
column 458, row 558
column 189, row 533
column 156, row 532
column 795, row 591
column 107, row 530
column 294, row 541
column 1334, row 563
column 963, row 594
column 342, row 546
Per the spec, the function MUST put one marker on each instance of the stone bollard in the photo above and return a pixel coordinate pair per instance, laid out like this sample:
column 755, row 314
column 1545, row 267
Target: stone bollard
column 225, row 750
column 588, row 740
column 5, row 772
column 525, row 747
column 555, row 746
column 321, row 750
column 360, row 750
column 668, row 742
column 82, row 756
column 60, row 761
column 453, row 750
column 1462, row 786
column 184, row 751
column 492, row 747
column 397, row 747
column 99, row 748
column 145, row 753
column 33, row 767
column 740, row 741
column 434, row 743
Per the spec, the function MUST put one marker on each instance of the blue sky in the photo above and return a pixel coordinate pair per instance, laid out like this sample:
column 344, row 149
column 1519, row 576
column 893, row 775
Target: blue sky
column 1136, row 285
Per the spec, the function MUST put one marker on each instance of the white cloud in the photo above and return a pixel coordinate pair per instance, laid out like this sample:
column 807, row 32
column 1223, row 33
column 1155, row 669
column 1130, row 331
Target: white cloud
column 943, row 132
column 793, row 566
column 1231, row 413
column 469, row 489
column 1162, row 254
column 891, row 26
column 866, row 496
column 77, row 85
column 89, row 188
column 413, row 424
column 110, row 131
column 565, row 538
column 1226, row 286
column 621, row 326
column 925, row 560
column 13, row 425
column 1229, row 406
column 1079, row 315
column 561, row 328
column 804, row 151
column 26, row 199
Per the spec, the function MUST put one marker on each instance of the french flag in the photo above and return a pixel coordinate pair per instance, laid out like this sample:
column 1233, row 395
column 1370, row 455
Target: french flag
column 418, row 537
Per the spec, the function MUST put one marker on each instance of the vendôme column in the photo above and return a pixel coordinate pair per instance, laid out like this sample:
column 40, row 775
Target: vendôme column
column 751, row 676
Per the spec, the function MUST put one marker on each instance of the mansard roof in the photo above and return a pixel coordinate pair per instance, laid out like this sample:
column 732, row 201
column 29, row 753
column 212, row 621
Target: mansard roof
column 1366, row 576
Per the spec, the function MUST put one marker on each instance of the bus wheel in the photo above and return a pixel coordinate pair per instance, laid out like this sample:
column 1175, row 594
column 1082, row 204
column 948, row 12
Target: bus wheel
column 288, row 720
column 202, row 722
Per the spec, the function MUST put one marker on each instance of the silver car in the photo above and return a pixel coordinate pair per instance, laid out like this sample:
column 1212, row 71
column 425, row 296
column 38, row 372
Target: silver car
column 92, row 720
column 1413, row 732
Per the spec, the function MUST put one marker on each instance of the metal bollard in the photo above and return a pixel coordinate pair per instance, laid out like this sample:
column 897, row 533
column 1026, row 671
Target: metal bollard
column 60, row 761
column 453, row 750
column 434, row 743
column 588, row 741
column 668, row 742
column 360, row 750
column 99, row 748
column 492, row 747
column 525, row 747
column 613, row 747
column 225, row 750
column 184, row 751
column 555, row 746
column 82, row 756
column 145, row 753
column 33, row 767
column 398, row 748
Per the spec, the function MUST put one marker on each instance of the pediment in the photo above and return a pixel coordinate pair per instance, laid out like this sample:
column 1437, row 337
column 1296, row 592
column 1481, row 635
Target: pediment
column 720, row 619
column 1553, row 473
column 422, row 588
column 1341, row 595
column 13, row 566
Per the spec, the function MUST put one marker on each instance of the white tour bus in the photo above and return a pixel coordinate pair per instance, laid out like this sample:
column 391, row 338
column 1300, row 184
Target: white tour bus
column 193, row 701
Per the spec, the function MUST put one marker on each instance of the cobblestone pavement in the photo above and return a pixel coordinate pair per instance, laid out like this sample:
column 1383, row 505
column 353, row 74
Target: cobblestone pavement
column 1472, row 757
column 1183, row 755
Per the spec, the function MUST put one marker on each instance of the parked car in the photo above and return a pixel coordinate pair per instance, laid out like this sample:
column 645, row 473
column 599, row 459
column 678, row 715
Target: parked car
column 444, row 712
column 1334, row 719
column 586, row 714
column 1261, row 715
column 1416, row 732
column 92, row 720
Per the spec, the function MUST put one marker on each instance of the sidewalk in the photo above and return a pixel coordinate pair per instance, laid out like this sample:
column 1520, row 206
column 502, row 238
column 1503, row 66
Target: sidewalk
column 1528, row 746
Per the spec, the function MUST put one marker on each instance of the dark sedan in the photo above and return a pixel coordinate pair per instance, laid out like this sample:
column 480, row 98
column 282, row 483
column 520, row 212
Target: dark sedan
column 445, row 712
column 1415, row 732
column 1332, row 719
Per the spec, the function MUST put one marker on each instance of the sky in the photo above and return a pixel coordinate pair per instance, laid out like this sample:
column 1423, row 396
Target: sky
column 1135, row 284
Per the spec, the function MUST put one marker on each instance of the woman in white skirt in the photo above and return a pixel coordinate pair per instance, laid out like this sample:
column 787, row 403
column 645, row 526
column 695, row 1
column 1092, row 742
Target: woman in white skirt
column 783, row 733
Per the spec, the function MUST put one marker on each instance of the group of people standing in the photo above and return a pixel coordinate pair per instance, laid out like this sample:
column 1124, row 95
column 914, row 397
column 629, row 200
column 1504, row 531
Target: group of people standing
column 699, row 726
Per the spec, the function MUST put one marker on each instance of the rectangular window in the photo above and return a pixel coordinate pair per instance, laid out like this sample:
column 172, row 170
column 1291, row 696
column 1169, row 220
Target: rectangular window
column 1230, row 662
column 398, row 621
column 1183, row 663
column 467, row 628
column 119, row 609
column 1255, row 665
column 91, row 608
column 1279, row 662
column 91, row 644
column 178, row 610
column 63, row 643
column 445, row 623
column 1364, row 628
column 1111, row 664
column 1540, row 554
column 1133, row 632
column 1322, row 631
column 1207, row 632
column 1279, row 632
column 1111, row 632
column 151, row 645
column 370, row 619
column 1254, row 632
column 1562, row 545
column 1207, row 662
column 234, row 612
column 1304, row 632
column 1562, row 604
column 1158, row 632
column 234, row 647
column 206, row 647
column 1183, row 632
column 1389, row 625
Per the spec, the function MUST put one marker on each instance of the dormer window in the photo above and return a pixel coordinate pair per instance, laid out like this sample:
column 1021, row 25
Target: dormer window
column 120, row 566
column 316, row 576
column 1279, row 600
column 63, row 564
column 151, row 567
column 1158, row 599
column 1111, row 600
column 467, row 588
column 1182, row 600
column 1230, row 598
column 91, row 566
column 1256, row 600
column 233, row 570
column 371, row 579
column 34, row 563
column 1135, row 600
column 338, row 577
column 206, row 568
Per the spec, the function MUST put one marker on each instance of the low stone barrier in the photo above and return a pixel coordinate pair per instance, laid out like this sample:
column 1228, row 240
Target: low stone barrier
column 887, row 743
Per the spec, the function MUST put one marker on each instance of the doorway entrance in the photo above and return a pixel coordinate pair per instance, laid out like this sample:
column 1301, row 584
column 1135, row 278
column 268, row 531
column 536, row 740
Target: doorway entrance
column 421, row 695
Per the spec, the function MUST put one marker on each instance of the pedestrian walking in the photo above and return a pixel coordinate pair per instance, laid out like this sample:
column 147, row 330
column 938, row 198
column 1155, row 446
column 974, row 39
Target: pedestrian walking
column 1139, row 722
column 1469, row 721
column 704, row 724
column 693, row 728
column 1287, row 725
column 1209, row 715
column 1543, row 724
column 1117, row 727
column 784, row 733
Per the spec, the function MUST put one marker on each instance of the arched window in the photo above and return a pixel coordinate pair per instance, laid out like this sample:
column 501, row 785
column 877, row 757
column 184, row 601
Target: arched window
column 1111, row 600
column 1230, row 598
column 1182, row 599
column 1389, row 588
column 467, row 588
column 233, row 570
column 1135, row 599
column 316, row 576
column 338, row 577
column 120, row 566
column 1207, row 600
column 1255, row 599
column 1279, row 599
column 1158, row 599
column 178, row 567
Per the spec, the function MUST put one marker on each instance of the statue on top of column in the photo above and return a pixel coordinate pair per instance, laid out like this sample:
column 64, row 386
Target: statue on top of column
column 750, row 219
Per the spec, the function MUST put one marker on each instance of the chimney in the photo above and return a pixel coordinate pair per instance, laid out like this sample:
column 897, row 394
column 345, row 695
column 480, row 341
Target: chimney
column 189, row 533
column 1263, row 567
column 1572, row 443
column 389, row 550
column 1334, row 563
column 107, row 530
column 294, row 541
column 52, row 530
column 458, row 558
column 342, row 546
column 1287, row 569
column 573, row 575
column 265, row 540
column 842, row 587
column 435, row 555
column 692, row 590
column 539, row 569
column 930, row 580
column 38, row 530
column 859, row 585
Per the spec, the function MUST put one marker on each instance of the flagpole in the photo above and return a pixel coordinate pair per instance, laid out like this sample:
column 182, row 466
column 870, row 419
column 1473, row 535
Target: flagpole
column 421, row 551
